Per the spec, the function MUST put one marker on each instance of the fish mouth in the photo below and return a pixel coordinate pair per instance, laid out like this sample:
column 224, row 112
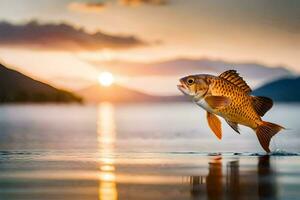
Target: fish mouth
column 183, row 88
column 181, row 85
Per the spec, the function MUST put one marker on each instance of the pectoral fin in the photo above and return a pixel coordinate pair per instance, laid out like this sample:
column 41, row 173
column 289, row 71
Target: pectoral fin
column 216, row 102
column 233, row 125
column 215, row 124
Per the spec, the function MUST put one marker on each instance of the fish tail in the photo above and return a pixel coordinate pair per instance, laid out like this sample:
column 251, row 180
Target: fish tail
column 265, row 131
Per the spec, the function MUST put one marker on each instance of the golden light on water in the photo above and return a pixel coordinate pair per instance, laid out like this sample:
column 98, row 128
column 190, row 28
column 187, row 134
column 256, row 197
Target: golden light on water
column 106, row 140
column 106, row 79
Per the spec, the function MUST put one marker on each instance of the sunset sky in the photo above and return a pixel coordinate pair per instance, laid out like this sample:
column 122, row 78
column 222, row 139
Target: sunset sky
column 69, row 43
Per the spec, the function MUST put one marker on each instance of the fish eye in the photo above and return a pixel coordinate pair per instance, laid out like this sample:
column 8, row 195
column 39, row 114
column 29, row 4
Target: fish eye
column 190, row 81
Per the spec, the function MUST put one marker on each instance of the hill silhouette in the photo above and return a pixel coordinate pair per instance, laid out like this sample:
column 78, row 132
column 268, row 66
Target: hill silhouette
column 283, row 90
column 17, row 87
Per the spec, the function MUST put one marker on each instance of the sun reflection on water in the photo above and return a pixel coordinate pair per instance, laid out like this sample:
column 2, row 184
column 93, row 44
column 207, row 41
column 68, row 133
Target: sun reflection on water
column 106, row 140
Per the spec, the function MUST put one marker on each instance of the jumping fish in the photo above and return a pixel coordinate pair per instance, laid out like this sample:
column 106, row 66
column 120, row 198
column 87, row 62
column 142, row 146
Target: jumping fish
column 228, row 96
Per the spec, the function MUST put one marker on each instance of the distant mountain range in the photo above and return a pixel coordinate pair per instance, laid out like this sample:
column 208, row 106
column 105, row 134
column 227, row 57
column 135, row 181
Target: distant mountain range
column 283, row 90
column 185, row 66
column 17, row 87
column 117, row 93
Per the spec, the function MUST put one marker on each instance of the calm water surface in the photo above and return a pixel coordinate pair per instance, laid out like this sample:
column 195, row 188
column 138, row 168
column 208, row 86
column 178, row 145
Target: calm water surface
column 141, row 151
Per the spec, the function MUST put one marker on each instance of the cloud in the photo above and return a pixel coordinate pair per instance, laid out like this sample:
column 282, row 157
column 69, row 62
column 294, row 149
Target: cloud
column 139, row 2
column 87, row 7
column 62, row 37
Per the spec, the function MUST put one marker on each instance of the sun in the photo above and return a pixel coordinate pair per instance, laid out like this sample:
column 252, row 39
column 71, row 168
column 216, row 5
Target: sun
column 106, row 79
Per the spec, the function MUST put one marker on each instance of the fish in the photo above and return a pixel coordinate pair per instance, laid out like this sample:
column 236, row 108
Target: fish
column 229, row 96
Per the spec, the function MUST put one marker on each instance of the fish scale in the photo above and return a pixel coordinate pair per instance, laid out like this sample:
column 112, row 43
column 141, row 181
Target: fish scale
column 240, row 109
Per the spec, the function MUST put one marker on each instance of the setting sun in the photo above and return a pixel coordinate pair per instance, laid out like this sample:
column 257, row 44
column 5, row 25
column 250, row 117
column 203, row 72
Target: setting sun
column 106, row 79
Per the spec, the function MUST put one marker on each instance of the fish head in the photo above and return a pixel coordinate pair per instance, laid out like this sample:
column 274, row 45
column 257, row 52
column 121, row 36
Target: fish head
column 193, row 85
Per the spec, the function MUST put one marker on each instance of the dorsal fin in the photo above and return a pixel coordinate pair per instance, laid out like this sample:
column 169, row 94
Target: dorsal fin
column 233, row 77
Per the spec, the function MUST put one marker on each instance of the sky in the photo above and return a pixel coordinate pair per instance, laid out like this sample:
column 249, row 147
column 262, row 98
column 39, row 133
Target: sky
column 68, row 43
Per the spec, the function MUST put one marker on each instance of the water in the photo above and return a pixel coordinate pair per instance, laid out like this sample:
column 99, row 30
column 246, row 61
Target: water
column 141, row 151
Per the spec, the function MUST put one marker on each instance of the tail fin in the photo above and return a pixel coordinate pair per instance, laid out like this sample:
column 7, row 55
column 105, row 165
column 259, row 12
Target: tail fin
column 265, row 131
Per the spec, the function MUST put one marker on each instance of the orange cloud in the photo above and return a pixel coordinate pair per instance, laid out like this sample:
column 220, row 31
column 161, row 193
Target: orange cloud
column 139, row 2
column 86, row 7
column 62, row 37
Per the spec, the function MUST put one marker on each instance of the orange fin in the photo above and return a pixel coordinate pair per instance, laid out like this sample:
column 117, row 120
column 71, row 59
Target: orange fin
column 233, row 77
column 261, row 104
column 265, row 132
column 217, row 101
column 215, row 124
column 234, row 126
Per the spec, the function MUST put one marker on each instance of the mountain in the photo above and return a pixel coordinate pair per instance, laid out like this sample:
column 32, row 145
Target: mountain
column 183, row 66
column 117, row 93
column 17, row 87
column 284, row 90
